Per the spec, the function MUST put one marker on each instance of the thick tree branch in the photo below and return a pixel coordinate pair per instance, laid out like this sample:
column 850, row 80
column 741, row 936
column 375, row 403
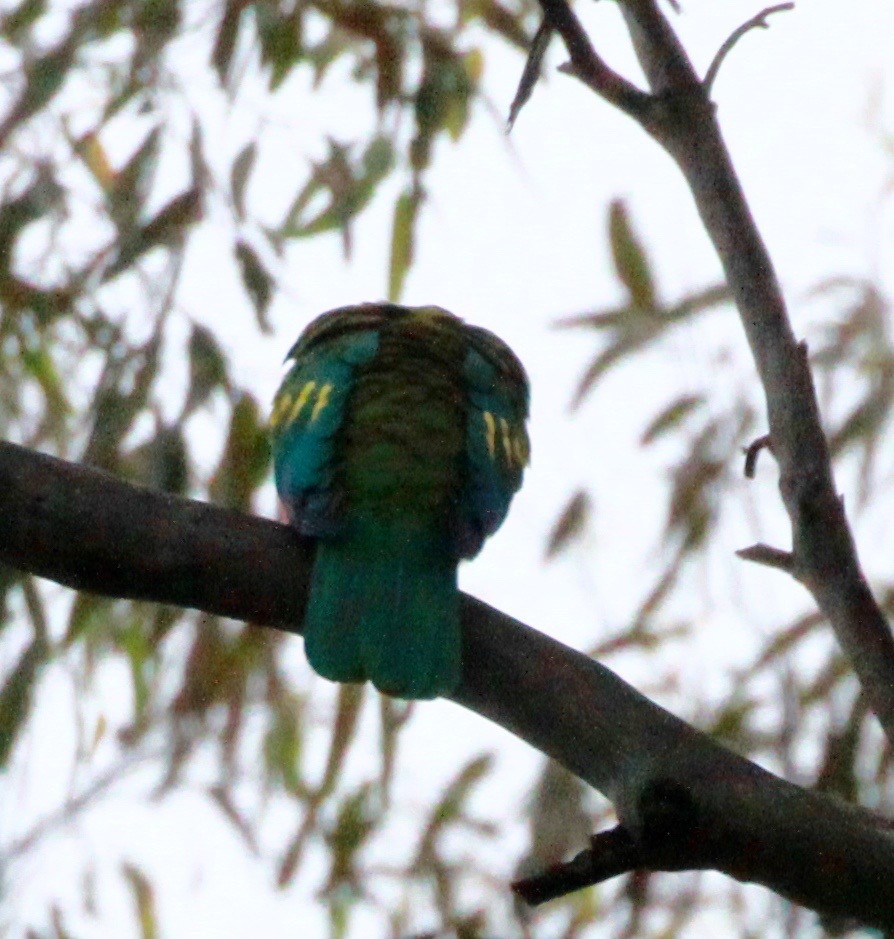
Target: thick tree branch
column 714, row 809
column 824, row 558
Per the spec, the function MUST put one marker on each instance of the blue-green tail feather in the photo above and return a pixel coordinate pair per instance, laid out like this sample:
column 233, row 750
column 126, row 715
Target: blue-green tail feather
column 384, row 606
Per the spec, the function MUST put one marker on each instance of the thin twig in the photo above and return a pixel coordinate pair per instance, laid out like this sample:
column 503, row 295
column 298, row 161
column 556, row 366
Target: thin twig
column 751, row 454
column 759, row 21
column 769, row 557
column 75, row 805
column 610, row 853
column 589, row 67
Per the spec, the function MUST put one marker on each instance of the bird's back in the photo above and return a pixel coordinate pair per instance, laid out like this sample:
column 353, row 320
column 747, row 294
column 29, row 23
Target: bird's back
column 401, row 444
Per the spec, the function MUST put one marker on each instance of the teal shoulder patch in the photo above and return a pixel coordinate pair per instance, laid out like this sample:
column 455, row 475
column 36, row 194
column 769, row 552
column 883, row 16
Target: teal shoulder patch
column 497, row 450
column 307, row 412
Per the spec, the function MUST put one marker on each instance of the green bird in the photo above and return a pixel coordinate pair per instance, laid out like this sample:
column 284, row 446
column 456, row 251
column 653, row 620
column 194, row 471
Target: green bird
column 399, row 441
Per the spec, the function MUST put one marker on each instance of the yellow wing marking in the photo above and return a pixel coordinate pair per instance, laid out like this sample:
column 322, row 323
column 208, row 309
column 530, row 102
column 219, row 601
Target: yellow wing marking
column 520, row 449
column 491, row 427
column 507, row 440
column 322, row 401
column 281, row 405
column 300, row 401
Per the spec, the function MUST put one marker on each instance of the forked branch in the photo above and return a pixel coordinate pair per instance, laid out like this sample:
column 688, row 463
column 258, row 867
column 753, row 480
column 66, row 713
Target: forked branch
column 679, row 115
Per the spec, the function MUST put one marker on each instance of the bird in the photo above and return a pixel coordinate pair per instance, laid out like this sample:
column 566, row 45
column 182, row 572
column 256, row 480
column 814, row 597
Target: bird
column 399, row 439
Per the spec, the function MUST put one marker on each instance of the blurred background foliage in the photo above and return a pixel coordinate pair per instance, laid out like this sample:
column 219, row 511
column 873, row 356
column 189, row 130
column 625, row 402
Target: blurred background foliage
column 101, row 362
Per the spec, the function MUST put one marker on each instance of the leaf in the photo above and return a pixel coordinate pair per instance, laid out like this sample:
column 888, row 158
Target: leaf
column 531, row 72
column 60, row 930
column 355, row 821
column 699, row 302
column 631, row 263
column 695, row 491
column 225, row 41
column 134, row 181
column 114, row 409
column 44, row 76
column 394, row 715
column 351, row 188
column 731, row 724
column 350, row 700
column 598, row 367
column 207, row 368
column 199, row 171
column 405, row 211
column 245, row 459
column 500, row 20
column 569, row 525
column 282, row 745
column 224, row 800
column 162, row 462
column 280, row 39
column 258, row 282
column 558, row 820
column 135, row 643
column 607, row 319
column 838, row 771
column 456, row 117
column 164, row 230
column 444, row 90
column 450, row 807
column 15, row 696
column 17, row 22
column 95, row 158
column 209, row 675
column 670, row 417
column 144, row 899
column 242, row 167
column 785, row 641
column 40, row 365
column 390, row 53
column 41, row 196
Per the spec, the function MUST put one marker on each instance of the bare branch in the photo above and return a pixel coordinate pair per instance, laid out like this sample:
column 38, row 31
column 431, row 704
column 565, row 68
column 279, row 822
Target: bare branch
column 610, row 853
column 751, row 454
column 759, row 21
column 770, row 557
column 669, row 831
column 589, row 67
column 75, row 805
column 94, row 532
column 681, row 118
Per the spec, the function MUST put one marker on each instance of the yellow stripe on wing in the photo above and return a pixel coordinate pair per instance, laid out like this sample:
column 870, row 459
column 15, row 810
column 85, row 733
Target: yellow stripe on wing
column 300, row 401
column 322, row 401
column 491, row 426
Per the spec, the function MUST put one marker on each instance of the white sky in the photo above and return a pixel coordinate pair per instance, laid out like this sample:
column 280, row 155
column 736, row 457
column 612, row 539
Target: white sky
column 512, row 237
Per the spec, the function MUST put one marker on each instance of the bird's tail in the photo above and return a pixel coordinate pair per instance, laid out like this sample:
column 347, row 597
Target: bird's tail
column 384, row 606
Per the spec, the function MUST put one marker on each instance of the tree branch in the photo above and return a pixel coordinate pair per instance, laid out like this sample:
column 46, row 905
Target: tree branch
column 759, row 21
column 681, row 118
column 589, row 67
column 769, row 557
column 91, row 531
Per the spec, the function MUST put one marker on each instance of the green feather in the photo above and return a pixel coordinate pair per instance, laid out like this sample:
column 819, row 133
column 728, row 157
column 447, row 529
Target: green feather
column 384, row 606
